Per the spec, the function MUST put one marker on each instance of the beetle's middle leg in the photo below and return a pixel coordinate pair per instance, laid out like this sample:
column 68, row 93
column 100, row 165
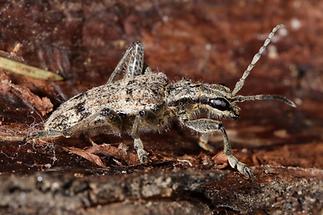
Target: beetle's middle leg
column 209, row 126
column 137, row 143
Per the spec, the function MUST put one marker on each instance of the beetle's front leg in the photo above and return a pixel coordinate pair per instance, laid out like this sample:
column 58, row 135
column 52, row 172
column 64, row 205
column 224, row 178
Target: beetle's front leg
column 209, row 126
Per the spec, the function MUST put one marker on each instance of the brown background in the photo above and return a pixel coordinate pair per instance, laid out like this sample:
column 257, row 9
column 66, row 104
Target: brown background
column 209, row 41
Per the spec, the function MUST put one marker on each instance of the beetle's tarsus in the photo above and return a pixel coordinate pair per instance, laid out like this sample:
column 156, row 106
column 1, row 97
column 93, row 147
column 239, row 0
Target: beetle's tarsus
column 241, row 167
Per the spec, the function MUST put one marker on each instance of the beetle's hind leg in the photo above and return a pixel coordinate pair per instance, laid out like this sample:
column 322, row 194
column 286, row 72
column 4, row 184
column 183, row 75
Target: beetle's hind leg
column 131, row 64
column 44, row 134
column 104, row 119
column 209, row 126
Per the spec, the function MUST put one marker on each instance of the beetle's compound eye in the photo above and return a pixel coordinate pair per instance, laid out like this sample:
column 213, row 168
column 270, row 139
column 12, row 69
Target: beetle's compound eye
column 142, row 113
column 219, row 103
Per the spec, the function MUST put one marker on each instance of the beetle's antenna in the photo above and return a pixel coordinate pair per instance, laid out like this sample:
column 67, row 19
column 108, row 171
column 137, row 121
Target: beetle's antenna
column 265, row 98
column 255, row 59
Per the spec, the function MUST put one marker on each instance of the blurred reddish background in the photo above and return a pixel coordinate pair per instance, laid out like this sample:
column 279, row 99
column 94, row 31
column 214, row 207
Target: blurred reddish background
column 208, row 41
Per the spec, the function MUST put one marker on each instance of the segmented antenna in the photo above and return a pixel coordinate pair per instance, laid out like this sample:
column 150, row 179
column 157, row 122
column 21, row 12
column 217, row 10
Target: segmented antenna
column 265, row 98
column 255, row 59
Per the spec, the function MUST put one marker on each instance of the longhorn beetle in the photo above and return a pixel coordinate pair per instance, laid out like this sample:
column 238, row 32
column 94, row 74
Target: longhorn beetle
column 136, row 100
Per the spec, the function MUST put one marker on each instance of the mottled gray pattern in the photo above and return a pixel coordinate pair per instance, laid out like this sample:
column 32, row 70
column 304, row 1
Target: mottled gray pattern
column 137, row 100
column 129, row 96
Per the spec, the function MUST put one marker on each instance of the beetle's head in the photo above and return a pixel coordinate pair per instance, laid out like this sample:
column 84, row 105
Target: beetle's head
column 202, row 100
column 214, row 100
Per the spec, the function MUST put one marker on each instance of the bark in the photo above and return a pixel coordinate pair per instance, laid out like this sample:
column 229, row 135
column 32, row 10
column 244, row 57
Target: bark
column 208, row 41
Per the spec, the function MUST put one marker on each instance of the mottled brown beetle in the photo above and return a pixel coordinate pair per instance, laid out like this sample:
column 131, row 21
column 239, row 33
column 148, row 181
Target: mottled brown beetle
column 137, row 100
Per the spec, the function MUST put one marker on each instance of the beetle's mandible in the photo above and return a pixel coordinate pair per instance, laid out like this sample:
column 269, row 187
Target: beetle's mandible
column 136, row 100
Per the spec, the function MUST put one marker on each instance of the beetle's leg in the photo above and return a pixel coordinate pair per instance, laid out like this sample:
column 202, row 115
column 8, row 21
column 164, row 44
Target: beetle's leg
column 47, row 134
column 138, row 145
column 209, row 126
column 233, row 161
column 104, row 119
column 131, row 64
column 204, row 142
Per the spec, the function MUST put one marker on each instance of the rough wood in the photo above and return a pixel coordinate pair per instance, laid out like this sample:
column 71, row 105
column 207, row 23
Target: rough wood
column 211, row 41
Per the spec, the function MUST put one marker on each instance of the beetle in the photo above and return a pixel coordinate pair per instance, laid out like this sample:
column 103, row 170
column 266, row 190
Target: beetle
column 136, row 100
